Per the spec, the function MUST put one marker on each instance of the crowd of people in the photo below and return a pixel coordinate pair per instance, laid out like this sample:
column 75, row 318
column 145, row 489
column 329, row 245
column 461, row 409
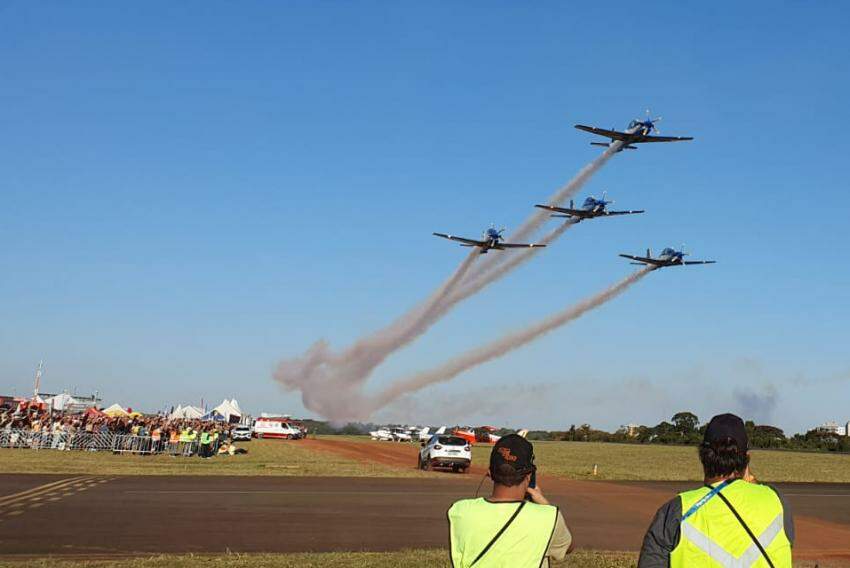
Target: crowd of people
column 134, row 433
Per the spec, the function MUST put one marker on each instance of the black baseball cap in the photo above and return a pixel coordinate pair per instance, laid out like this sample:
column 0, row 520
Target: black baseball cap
column 513, row 450
column 725, row 426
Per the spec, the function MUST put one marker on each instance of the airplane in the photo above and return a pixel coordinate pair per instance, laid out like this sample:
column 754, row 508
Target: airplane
column 491, row 240
column 668, row 257
column 638, row 132
column 425, row 433
column 481, row 435
column 590, row 209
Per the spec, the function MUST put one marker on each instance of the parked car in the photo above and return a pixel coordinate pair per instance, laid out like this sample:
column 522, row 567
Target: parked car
column 241, row 434
column 446, row 451
column 277, row 428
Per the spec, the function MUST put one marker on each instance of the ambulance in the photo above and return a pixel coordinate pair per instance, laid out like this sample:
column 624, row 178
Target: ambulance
column 276, row 427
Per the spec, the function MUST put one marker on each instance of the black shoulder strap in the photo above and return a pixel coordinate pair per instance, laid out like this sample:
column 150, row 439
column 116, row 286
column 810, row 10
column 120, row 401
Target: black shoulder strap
column 747, row 528
column 498, row 534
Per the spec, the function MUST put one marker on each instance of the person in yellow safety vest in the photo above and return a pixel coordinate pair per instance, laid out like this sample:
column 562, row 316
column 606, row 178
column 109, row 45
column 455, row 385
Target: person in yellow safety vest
column 184, row 435
column 206, row 439
column 515, row 527
column 731, row 521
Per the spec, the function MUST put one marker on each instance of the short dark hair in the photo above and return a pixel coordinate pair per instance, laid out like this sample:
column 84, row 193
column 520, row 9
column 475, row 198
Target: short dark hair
column 506, row 475
column 723, row 457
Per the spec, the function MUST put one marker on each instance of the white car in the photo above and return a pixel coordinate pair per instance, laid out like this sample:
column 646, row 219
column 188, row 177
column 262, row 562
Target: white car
column 446, row 451
column 241, row 433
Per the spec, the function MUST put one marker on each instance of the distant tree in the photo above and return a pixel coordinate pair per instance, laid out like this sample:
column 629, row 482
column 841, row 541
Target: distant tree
column 686, row 423
column 571, row 433
column 765, row 436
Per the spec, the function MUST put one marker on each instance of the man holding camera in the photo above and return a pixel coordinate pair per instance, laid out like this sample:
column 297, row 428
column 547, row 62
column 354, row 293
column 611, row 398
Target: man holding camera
column 731, row 521
column 516, row 526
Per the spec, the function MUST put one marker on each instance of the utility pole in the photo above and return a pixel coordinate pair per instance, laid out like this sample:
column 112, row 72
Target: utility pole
column 38, row 373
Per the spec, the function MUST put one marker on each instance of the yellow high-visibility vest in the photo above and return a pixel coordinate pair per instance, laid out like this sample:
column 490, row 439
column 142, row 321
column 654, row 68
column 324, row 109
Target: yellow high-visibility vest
column 712, row 537
column 474, row 522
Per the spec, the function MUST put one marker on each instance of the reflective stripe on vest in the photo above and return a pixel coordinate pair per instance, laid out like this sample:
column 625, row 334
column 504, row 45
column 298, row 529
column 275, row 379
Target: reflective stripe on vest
column 713, row 537
column 474, row 522
column 718, row 553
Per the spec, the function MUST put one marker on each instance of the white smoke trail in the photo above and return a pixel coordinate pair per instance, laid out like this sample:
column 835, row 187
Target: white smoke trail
column 540, row 216
column 502, row 346
column 331, row 383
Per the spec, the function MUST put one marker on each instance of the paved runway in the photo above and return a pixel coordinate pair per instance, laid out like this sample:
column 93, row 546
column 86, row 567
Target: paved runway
column 115, row 516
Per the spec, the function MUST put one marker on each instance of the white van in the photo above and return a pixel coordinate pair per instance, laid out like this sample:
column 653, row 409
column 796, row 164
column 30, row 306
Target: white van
column 276, row 428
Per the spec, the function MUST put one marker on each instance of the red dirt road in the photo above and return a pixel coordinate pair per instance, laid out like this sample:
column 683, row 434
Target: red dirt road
column 615, row 515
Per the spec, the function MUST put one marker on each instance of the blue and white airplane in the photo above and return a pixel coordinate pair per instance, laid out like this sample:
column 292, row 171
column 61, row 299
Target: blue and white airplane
column 638, row 132
column 590, row 209
column 491, row 239
column 668, row 257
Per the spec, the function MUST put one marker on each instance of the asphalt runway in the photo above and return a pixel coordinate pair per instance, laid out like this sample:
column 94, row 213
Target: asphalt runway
column 108, row 516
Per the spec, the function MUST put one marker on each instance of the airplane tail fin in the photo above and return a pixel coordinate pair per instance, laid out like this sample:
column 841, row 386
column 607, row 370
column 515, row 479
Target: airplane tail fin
column 441, row 430
column 522, row 433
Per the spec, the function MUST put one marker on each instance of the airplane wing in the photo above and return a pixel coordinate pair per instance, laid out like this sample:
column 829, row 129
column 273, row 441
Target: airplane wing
column 644, row 259
column 519, row 245
column 623, row 212
column 612, row 134
column 566, row 210
column 643, row 139
column 700, row 262
column 467, row 242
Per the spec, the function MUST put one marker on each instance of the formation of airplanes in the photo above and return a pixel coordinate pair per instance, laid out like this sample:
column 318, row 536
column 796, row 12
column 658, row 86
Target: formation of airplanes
column 639, row 131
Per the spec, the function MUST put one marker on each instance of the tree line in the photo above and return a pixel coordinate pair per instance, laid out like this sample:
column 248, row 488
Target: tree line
column 684, row 428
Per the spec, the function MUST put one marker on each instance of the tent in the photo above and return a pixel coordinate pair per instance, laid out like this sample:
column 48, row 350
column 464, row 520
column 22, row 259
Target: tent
column 187, row 413
column 92, row 412
column 230, row 410
column 62, row 401
column 115, row 410
column 213, row 416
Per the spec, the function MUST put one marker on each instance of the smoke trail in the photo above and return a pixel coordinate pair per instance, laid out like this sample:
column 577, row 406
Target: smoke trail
column 502, row 346
column 536, row 220
column 331, row 383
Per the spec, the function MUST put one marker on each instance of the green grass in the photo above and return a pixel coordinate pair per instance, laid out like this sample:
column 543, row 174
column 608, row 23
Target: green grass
column 264, row 457
column 407, row 558
column 575, row 460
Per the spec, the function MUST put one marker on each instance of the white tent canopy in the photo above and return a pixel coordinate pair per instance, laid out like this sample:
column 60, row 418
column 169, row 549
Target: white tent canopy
column 229, row 409
column 187, row 412
column 62, row 401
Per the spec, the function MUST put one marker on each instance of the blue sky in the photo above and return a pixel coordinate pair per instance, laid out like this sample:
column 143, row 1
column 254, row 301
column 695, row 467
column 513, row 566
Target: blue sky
column 192, row 192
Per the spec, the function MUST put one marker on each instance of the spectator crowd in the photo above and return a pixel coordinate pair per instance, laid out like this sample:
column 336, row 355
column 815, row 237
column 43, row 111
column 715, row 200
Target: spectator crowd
column 41, row 428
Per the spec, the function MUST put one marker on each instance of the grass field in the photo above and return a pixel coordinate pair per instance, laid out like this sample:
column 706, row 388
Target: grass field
column 408, row 558
column 573, row 460
column 264, row 457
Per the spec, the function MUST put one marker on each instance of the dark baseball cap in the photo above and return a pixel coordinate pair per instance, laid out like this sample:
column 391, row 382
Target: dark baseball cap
column 725, row 426
column 513, row 450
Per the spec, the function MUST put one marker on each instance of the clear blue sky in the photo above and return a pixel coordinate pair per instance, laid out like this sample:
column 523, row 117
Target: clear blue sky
column 192, row 192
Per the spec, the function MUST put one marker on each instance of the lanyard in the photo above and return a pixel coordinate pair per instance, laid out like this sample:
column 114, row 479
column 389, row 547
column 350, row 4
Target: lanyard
column 696, row 506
